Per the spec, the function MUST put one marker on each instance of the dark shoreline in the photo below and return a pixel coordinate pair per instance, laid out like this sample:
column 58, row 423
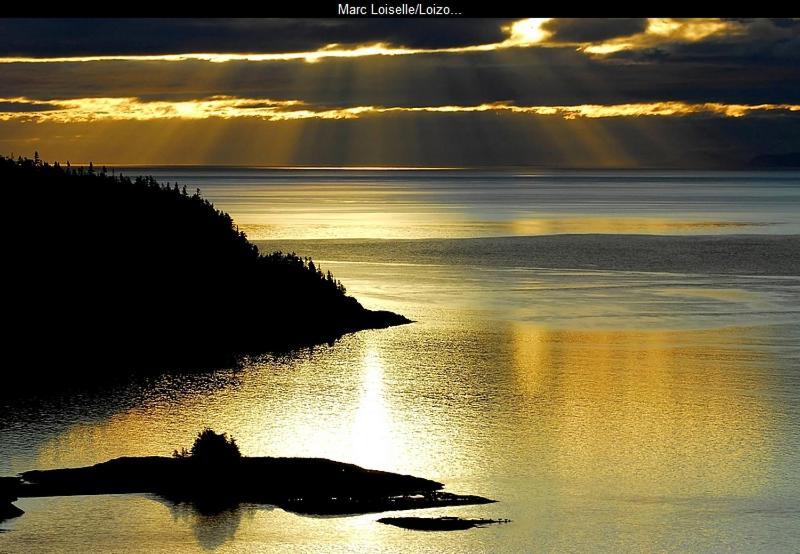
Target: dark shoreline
column 93, row 364
column 125, row 276
column 9, row 492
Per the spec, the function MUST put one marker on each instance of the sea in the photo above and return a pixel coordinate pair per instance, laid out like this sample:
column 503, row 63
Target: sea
column 613, row 356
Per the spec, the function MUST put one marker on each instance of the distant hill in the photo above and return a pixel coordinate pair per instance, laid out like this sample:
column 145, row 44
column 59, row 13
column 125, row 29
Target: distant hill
column 108, row 274
column 789, row 160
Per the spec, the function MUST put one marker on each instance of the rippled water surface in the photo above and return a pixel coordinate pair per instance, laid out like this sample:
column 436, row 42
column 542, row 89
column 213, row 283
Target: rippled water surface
column 612, row 408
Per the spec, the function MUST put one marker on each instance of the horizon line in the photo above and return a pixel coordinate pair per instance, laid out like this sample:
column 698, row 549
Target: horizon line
column 113, row 165
column 503, row 167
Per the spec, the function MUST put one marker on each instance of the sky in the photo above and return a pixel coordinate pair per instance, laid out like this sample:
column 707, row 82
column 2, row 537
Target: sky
column 550, row 93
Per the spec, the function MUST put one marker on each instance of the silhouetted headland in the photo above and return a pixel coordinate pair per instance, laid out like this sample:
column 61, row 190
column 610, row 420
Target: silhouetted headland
column 444, row 523
column 109, row 273
column 215, row 475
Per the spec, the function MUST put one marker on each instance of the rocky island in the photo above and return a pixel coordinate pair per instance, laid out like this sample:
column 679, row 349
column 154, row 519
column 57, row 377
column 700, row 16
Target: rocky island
column 213, row 475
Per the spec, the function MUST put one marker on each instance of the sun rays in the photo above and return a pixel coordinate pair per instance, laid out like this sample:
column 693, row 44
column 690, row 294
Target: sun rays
column 536, row 91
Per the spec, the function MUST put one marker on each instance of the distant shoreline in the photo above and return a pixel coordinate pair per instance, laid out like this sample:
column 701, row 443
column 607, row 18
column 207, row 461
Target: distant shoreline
column 476, row 169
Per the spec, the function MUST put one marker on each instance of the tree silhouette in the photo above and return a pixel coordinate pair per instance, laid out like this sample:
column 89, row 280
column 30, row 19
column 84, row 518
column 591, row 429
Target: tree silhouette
column 211, row 446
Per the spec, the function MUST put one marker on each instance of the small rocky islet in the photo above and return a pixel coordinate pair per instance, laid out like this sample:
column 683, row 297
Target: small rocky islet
column 214, row 475
column 444, row 523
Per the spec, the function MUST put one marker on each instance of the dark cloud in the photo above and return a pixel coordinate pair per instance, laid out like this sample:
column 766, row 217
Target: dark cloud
column 593, row 29
column 525, row 76
column 82, row 37
column 23, row 107
column 758, row 65
column 760, row 42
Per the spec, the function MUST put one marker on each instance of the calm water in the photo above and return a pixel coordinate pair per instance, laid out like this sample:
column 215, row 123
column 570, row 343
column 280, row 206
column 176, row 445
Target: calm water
column 309, row 204
column 622, row 407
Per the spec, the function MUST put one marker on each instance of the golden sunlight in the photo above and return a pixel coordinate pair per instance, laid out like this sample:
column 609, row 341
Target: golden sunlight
column 628, row 408
column 371, row 434
column 228, row 107
column 661, row 30
column 527, row 31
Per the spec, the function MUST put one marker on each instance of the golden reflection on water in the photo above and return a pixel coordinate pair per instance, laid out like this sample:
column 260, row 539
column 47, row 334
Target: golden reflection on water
column 429, row 222
column 647, row 412
column 303, row 211
column 373, row 428
column 622, row 225
column 572, row 429
column 662, row 411
column 339, row 411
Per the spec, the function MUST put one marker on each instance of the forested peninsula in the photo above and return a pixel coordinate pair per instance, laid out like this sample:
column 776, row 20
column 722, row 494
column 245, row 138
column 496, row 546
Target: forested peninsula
column 109, row 273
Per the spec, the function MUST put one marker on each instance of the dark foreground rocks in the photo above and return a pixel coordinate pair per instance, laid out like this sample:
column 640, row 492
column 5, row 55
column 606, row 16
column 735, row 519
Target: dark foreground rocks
column 302, row 485
column 445, row 523
column 9, row 487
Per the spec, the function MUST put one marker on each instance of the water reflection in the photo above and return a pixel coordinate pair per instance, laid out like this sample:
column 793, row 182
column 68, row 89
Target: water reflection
column 270, row 204
column 62, row 419
column 654, row 225
column 664, row 411
column 649, row 413
column 212, row 526
column 373, row 428
column 592, row 435
column 437, row 222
